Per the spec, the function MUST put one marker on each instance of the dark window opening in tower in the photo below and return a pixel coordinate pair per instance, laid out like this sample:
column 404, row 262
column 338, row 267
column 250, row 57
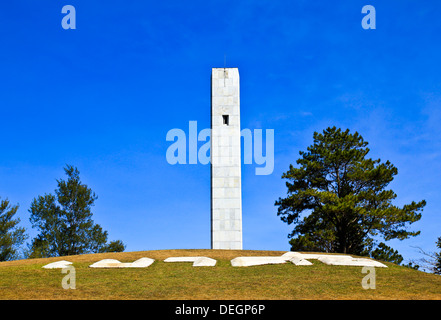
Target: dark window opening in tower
column 226, row 119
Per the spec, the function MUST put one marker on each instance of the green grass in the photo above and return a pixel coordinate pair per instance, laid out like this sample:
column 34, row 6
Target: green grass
column 25, row 279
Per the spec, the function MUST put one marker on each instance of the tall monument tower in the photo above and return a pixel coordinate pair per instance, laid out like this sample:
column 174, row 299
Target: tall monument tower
column 226, row 190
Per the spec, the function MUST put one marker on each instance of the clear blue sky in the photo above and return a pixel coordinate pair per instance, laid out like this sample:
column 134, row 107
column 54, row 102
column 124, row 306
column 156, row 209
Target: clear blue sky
column 103, row 97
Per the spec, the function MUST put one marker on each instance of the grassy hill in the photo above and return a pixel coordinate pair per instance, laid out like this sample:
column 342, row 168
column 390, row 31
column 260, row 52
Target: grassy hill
column 25, row 279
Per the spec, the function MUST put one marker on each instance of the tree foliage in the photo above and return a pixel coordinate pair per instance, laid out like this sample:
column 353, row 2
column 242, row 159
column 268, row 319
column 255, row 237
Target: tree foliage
column 437, row 267
column 386, row 253
column 114, row 246
column 338, row 198
column 64, row 220
column 11, row 236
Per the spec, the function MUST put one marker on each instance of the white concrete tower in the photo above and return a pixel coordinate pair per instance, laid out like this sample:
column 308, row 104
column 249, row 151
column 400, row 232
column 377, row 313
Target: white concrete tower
column 226, row 191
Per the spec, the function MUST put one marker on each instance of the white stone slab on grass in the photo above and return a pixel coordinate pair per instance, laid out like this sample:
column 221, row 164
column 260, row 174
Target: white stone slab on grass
column 197, row 261
column 142, row 263
column 106, row 263
column 331, row 259
column 291, row 254
column 316, row 256
column 359, row 262
column 181, row 259
column 112, row 263
column 300, row 262
column 256, row 261
column 57, row 265
column 204, row 262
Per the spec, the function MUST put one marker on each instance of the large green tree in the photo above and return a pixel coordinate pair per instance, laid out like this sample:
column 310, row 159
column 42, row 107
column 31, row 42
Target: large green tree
column 64, row 221
column 11, row 236
column 339, row 202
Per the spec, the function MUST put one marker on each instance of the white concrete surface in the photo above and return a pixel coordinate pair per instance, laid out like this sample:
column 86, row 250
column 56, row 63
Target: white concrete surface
column 359, row 262
column 57, row 265
column 197, row 261
column 291, row 254
column 106, row 263
column 181, row 259
column 300, row 262
column 332, row 259
column 204, row 262
column 226, row 191
column 112, row 263
column 142, row 263
column 256, row 261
